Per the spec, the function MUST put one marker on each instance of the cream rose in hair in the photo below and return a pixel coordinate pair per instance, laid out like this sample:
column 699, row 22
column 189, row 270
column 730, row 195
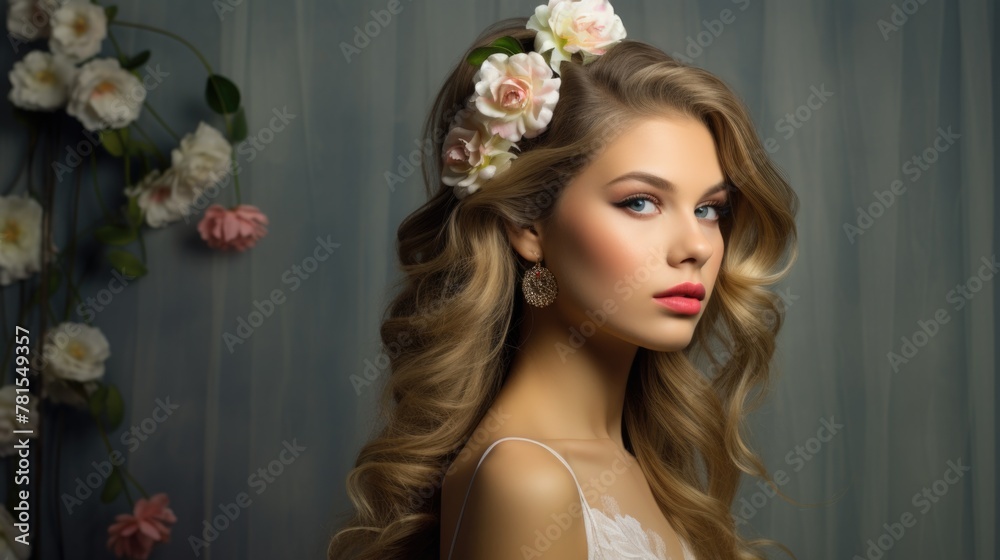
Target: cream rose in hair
column 78, row 29
column 472, row 154
column 104, row 95
column 40, row 81
column 518, row 93
column 565, row 27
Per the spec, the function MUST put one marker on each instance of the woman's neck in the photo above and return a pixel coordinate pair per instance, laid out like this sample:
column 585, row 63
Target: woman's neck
column 563, row 385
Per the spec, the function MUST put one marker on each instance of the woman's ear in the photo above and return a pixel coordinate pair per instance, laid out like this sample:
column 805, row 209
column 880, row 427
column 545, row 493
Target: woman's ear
column 526, row 240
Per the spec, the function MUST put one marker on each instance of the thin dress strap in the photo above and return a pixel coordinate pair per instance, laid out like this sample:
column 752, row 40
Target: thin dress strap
column 583, row 500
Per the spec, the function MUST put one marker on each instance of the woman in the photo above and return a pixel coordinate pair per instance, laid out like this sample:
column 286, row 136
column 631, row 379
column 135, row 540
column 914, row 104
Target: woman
column 570, row 421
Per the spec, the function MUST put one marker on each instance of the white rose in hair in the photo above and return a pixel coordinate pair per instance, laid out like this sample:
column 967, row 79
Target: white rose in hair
column 472, row 154
column 40, row 81
column 30, row 19
column 104, row 95
column 203, row 157
column 75, row 351
column 78, row 29
column 518, row 93
column 565, row 27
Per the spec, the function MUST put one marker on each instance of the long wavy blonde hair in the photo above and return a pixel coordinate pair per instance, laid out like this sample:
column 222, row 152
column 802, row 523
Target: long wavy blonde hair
column 452, row 326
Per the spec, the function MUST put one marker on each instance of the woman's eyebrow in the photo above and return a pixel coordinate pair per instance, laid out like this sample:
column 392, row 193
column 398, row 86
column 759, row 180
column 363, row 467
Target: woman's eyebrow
column 661, row 183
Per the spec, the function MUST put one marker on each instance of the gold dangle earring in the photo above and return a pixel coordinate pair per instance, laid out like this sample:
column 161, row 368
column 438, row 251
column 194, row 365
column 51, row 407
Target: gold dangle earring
column 539, row 285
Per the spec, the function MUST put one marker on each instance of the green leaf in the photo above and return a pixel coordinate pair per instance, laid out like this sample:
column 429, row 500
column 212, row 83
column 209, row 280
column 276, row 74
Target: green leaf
column 114, row 407
column 97, row 400
column 134, row 211
column 115, row 235
column 480, row 54
column 222, row 95
column 111, row 12
column 239, row 127
column 512, row 45
column 136, row 61
column 112, row 142
column 126, row 263
column 112, row 487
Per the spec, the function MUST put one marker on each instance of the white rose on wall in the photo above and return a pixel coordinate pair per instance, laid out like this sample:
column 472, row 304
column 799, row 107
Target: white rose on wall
column 20, row 238
column 41, row 81
column 75, row 352
column 8, row 420
column 164, row 197
column 78, row 29
column 203, row 157
column 30, row 19
column 104, row 95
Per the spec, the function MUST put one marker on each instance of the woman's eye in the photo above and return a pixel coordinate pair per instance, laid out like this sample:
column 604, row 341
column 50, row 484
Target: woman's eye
column 640, row 204
column 712, row 211
column 707, row 211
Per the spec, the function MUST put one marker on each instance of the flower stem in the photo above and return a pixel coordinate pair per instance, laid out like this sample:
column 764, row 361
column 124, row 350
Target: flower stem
column 208, row 68
column 97, row 188
column 24, row 164
column 136, row 483
column 236, row 179
column 172, row 35
column 71, row 250
column 107, row 445
column 162, row 122
column 159, row 153
column 183, row 41
column 125, row 157
column 114, row 43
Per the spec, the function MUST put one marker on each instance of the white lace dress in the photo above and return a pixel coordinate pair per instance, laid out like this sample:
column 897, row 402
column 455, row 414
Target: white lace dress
column 610, row 535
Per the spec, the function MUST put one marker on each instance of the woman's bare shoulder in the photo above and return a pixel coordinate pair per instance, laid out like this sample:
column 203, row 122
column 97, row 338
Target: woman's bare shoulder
column 521, row 498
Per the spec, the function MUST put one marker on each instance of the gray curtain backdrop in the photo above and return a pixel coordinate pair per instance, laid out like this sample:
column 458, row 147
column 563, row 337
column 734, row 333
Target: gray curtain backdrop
column 882, row 114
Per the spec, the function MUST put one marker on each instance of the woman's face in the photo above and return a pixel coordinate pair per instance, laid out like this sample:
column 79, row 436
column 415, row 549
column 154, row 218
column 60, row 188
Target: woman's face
column 639, row 221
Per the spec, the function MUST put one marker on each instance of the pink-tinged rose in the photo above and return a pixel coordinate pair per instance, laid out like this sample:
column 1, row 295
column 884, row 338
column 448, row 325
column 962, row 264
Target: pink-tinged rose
column 237, row 228
column 471, row 154
column 565, row 27
column 105, row 95
column 517, row 93
column 133, row 536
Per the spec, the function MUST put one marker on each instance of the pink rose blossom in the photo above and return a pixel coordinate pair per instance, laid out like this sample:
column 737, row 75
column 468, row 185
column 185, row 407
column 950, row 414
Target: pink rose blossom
column 133, row 535
column 518, row 93
column 566, row 27
column 471, row 154
column 237, row 228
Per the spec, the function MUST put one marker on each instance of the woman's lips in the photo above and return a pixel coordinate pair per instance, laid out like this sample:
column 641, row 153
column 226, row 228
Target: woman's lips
column 680, row 304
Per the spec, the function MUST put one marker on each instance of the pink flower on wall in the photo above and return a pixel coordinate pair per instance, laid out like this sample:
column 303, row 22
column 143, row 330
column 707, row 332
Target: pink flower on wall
column 237, row 228
column 133, row 536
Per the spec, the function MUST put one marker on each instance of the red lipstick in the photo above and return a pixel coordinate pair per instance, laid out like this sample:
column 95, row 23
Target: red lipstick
column 683, row 298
